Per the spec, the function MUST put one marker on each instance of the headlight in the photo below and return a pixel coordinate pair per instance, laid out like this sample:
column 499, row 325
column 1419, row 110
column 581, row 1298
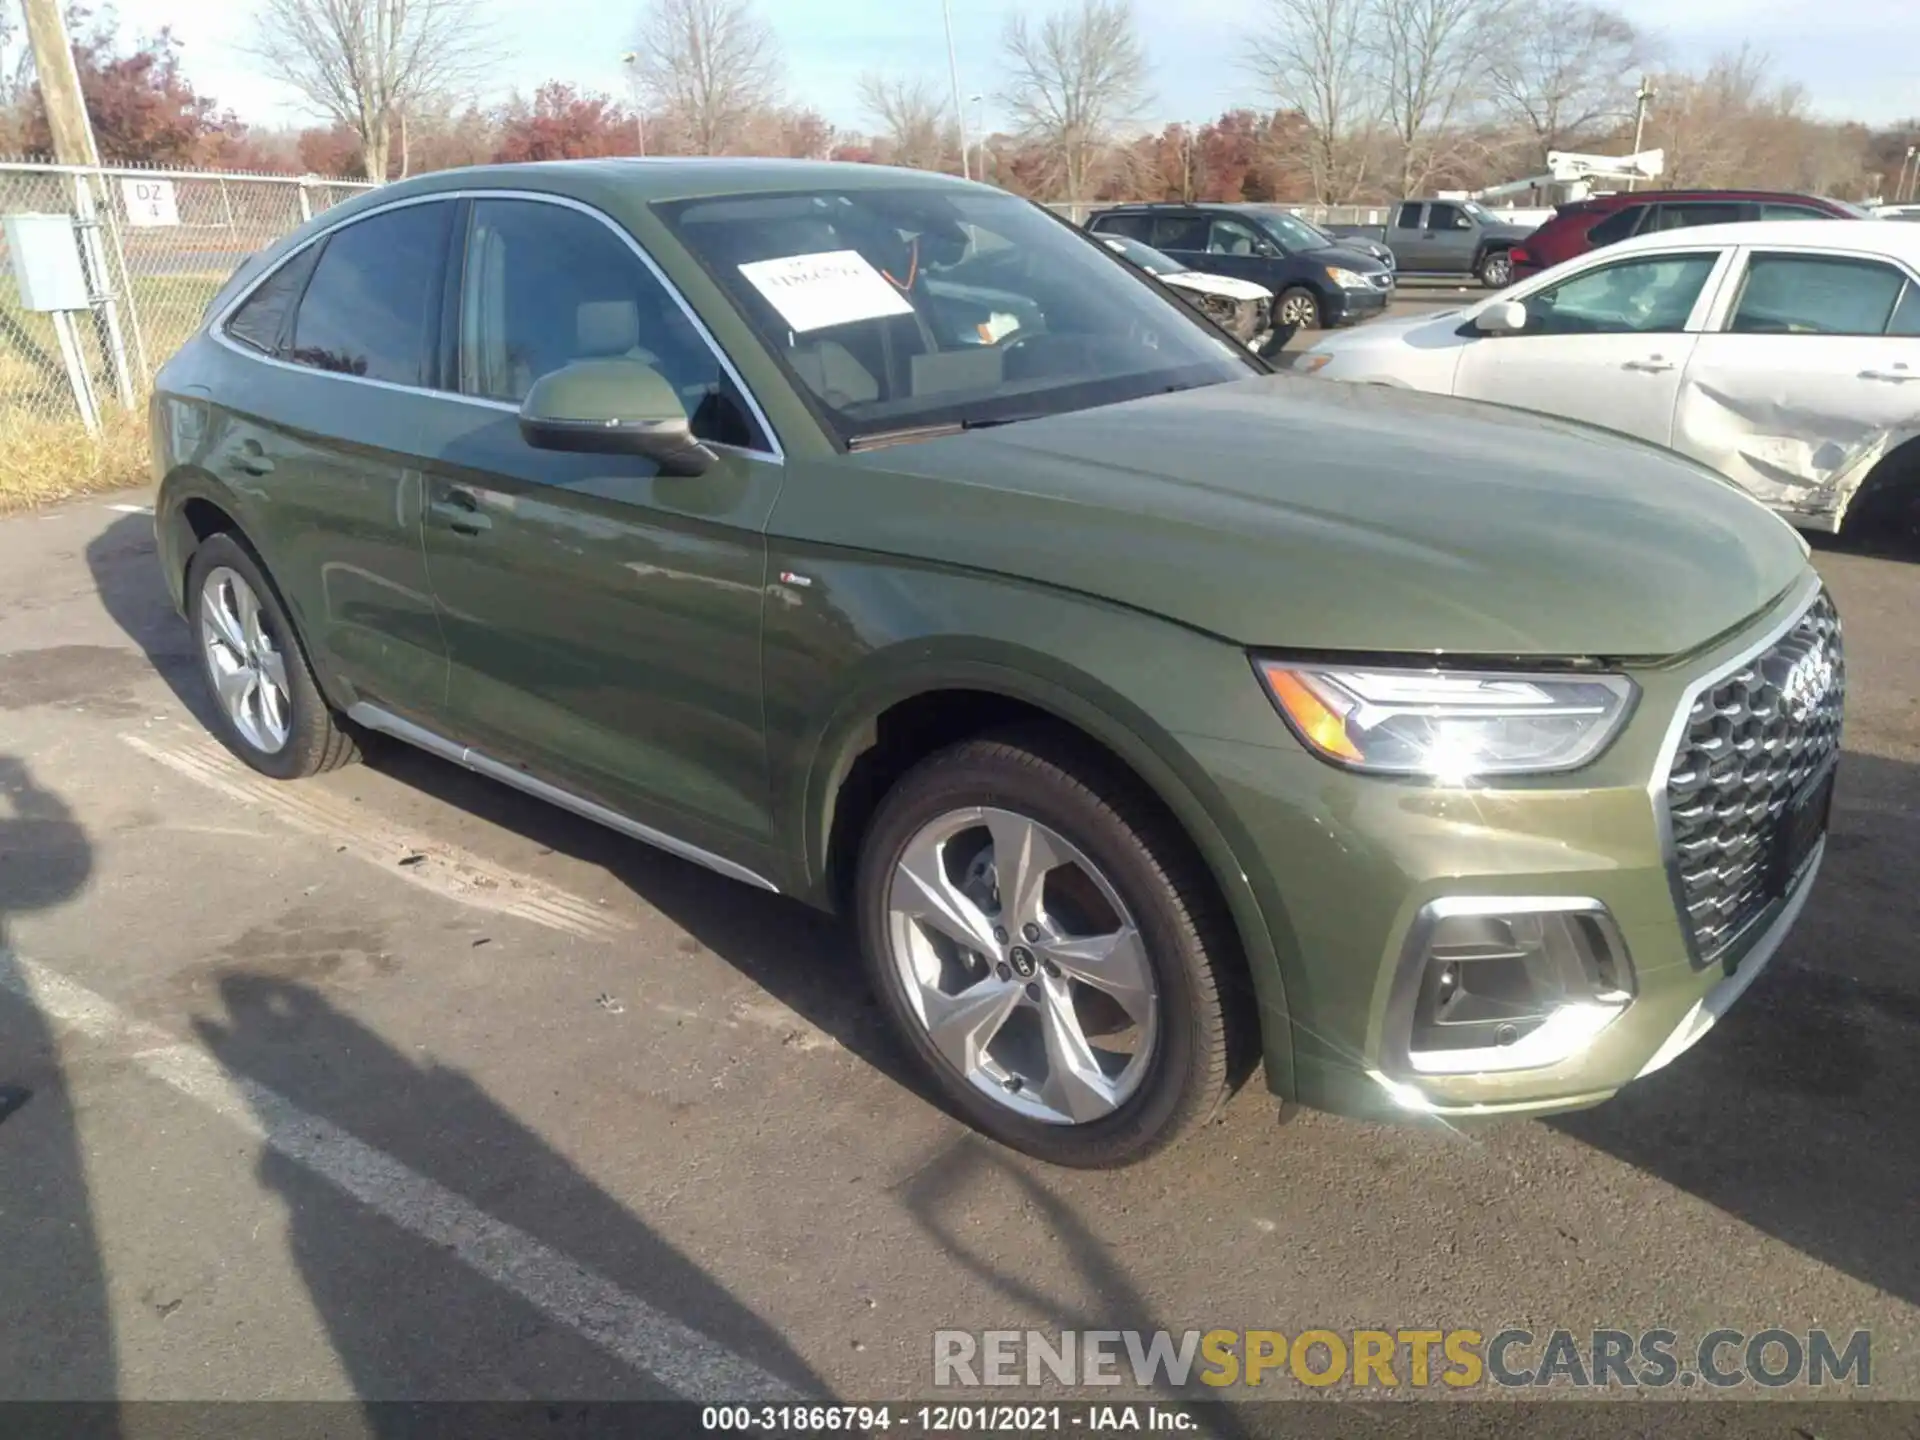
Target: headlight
column 1348, row 279
column 1312, row 362
column 1449, row 725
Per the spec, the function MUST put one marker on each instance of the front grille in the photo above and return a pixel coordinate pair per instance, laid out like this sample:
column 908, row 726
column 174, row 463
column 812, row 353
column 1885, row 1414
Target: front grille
column 1754, row 737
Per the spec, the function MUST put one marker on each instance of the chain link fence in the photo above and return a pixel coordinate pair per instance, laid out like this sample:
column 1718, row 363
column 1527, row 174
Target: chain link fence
column 154, row 246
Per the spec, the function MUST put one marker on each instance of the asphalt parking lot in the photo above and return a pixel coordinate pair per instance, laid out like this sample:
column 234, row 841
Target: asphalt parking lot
column 395, row 1084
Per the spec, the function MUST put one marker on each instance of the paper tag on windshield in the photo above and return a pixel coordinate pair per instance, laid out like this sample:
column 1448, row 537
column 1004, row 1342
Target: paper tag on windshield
column 836, row 287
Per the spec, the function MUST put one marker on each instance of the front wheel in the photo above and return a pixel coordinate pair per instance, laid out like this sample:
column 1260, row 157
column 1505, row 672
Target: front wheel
column 1297, row 309
column 1042, row 938
column 1496, row 269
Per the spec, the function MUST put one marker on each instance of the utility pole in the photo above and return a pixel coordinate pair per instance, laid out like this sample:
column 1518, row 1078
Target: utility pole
column 1906, row 184
column 1641, row 96
column 632, row 61
column 953, row 74
column 59, row 84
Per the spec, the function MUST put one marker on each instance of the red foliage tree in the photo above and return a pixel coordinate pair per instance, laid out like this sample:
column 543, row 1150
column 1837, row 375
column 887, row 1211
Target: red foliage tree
column 330, row 150
column 563, row 123
column 143, row 108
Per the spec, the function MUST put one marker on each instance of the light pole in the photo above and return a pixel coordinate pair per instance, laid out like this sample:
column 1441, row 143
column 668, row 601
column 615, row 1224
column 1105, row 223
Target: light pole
column 632, row 63
column 953, row 74
column 979, row 103
column 1641, row 96
column 1905, row 188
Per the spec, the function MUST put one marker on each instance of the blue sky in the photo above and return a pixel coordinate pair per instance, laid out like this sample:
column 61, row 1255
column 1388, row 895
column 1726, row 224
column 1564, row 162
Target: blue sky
column 1856, row 58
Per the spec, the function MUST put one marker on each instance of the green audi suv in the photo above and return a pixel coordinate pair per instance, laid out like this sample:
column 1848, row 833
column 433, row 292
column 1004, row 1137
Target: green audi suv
column 877, row 539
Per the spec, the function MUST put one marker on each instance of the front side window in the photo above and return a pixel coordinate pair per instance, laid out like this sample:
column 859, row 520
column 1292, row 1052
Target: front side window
column 1776, row 211
column 897, row 308
column 545, row 285
column 373, row 306
column 1235, row 237
column 1653, row 294
column 1817, row 295
column 1447, row 217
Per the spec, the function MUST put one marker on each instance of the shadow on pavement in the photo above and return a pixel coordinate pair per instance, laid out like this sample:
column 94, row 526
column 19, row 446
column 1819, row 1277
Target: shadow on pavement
column 408, row 1318
column 56, row 1341
column 126, row 576
column 1793, row 1115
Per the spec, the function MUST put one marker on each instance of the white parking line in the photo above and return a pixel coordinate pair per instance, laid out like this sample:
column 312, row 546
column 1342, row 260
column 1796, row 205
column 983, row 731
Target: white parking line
column 451, row 871
column 132, row 509
column 626, row 1327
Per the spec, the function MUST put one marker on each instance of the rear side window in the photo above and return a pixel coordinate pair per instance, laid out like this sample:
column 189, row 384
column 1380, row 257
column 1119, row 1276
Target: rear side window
column 1616, row 227
column 1134, row 227
column 372, row 308
column 263, row 322
column 1679, row 215
column 1408, row 218
column 1817, row 295
column 1179, row 232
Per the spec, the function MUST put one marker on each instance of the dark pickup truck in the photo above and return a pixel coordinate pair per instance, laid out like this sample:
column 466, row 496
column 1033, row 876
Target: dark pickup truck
column 1445, row 237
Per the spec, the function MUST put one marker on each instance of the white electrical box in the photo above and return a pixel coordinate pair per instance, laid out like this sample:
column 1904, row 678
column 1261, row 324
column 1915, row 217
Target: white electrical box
column 46, row 262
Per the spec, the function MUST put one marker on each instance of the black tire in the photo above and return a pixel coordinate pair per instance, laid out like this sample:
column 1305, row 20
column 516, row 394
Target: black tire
column 1190, row 943
column 1297, row 300
column 317, row 740
column 1495, row 269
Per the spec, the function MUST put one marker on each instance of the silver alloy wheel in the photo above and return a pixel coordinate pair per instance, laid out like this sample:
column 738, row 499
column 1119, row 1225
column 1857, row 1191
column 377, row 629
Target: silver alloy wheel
column 1497, row 271
column 248, row 671
column 1017, row 956
column 1300, row 311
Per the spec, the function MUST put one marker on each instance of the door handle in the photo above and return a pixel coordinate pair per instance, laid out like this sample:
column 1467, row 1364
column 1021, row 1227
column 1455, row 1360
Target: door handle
column 252, row 459
column 460, row 511
column 1652, row 365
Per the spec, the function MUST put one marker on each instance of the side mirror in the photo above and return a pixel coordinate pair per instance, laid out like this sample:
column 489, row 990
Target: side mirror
column 1503, row 317
column 613, row 407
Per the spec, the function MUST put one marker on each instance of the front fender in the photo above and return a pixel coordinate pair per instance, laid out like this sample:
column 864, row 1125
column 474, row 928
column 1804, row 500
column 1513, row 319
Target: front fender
column 1132, row 684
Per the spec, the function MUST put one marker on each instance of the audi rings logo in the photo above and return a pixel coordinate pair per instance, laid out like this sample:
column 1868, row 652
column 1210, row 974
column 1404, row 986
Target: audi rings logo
column 1808, row 682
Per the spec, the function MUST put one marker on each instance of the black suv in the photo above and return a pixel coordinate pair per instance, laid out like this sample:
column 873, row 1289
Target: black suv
column 1316, row 283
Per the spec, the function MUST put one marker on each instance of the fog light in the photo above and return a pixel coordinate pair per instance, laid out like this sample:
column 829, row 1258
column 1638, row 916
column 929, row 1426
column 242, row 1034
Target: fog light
column 1497, row 983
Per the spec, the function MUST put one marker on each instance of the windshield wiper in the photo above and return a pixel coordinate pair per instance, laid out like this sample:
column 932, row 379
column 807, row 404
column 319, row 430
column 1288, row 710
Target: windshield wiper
column 908, row 433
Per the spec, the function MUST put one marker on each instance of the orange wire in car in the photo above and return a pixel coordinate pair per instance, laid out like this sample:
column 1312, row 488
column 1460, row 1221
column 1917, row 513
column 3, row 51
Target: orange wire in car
column 913, row 266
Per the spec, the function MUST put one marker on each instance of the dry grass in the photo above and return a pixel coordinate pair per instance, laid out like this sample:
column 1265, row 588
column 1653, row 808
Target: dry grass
column 44, row 459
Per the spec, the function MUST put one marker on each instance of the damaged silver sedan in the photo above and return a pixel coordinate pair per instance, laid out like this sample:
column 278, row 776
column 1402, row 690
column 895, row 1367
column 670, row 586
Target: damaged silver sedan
column 1786, row 356
column 1241, row 308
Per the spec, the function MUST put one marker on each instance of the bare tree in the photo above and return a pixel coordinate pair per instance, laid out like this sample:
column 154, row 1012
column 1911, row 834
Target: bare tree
column 1312, row 56
column 1427, row 54
column 1566, row 66
column 1075, row 78
column 711, row 67
column 366, row 63
column 914, row 122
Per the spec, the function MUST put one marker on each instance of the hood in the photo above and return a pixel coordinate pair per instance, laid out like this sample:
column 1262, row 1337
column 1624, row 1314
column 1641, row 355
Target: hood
column 1225, row 285
column 1503, row 231
column 1348, row 254
column 1288, row 512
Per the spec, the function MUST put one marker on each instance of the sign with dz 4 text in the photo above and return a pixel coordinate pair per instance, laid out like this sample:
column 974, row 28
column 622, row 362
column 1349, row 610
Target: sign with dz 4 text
column 150, row 202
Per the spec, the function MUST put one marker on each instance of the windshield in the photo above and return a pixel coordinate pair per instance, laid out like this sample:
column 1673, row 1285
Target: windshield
column 1292, row 232
column 898, row 309
column 1145, row 256
column 1479, row 212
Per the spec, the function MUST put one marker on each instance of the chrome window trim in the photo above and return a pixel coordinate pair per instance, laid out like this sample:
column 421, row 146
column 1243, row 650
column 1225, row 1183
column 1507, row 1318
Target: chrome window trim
column 375, row 718
column 217, row 327
column 1670, row 747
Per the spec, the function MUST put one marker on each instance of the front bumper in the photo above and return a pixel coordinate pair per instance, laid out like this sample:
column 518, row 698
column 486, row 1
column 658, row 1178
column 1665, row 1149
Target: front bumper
column 1350, row 307
column 1345, row 865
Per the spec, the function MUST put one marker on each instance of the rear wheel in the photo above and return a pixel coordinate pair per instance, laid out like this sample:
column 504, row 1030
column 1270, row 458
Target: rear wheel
column 1297, row 309
column 267, row 708
column 1039, row 933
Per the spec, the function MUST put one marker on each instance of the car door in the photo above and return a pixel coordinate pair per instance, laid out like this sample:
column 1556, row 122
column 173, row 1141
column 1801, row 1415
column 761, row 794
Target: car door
column 1406, row 237
column 602, row 619
column 1449, row 239
column 335, row 368
column 1607, row 345
column 1809, row 375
